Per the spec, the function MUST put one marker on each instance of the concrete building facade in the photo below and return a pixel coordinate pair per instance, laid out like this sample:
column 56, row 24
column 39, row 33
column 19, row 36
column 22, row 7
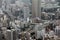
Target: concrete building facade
column 36, row 8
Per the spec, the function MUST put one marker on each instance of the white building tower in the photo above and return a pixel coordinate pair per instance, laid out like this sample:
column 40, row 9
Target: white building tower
column 36, row 8
column 11, row 34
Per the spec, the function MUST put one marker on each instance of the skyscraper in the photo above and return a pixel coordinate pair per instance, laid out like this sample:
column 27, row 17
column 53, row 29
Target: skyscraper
column 11, row 34
column 0, row 3
column 36, row 8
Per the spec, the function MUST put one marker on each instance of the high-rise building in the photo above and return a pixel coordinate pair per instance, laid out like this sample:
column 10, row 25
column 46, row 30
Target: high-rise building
column 0, row 3
column 36, row 8
column 26, row 12
column 11, row 34
column 1, row 36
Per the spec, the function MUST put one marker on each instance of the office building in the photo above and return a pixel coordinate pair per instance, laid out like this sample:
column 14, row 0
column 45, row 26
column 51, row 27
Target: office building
column 1, row 3
column 36, row 8
column 11, row 34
